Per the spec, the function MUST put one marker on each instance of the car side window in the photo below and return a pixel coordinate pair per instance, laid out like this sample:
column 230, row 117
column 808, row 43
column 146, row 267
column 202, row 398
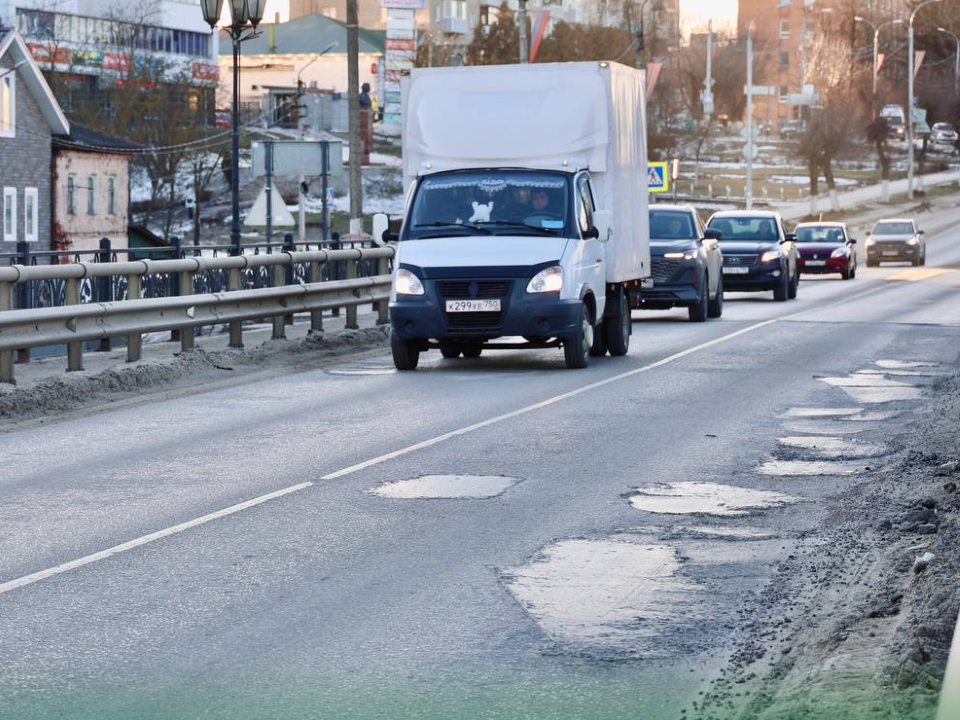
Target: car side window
column 584, row 204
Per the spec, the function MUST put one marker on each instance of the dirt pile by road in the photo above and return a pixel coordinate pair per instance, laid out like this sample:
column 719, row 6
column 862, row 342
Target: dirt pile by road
column 198, row 369
column 858, row 621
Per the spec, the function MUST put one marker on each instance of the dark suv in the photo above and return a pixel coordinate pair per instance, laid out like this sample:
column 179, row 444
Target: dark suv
column 758, row 254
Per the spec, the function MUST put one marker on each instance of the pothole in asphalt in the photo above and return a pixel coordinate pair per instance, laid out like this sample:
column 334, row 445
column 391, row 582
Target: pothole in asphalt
column 689, row 498
column 905, row 364
column 829, row 427
column 468, row 487
column 877, row 395
column 833, row 447
column 818, row 412
column 723, row 533
column 605, row 594
column 864, row 380
column 809, row 467
column 914, row 375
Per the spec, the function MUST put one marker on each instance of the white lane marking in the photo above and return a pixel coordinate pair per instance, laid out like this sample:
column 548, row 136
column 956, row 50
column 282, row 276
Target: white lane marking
column 540, row 405
column 145, row 539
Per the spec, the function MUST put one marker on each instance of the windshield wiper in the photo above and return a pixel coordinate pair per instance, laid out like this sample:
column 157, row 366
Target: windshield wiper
column 466, row 226
column 509, row 223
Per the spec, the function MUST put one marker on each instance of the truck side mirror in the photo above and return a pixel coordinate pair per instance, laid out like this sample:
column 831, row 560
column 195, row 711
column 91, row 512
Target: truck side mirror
column 381, row 229
column 602, row 224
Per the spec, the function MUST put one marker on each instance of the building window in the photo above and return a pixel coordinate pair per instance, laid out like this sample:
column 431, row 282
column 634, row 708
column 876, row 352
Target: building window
column 31, row 215
column 72, row 195
column 454, row 9
column 112, row 195
column 784, row 29
column 8, row 105
column 784, row 90
column 92, row 195
column 9, row 214
column 784, row 60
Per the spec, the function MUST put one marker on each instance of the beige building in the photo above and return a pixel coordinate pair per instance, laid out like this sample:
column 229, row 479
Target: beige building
column 91, row 190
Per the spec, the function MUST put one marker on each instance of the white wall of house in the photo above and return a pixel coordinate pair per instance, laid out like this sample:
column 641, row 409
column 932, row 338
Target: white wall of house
column 84, row 224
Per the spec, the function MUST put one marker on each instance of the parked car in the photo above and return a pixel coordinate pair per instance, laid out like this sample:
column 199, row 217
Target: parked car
column 826, row 247
column 791, row 129
column 686, row 264
column 894, row 111
column 943, row 134
column 896, row 128
column 758, row 253
column 895, row 240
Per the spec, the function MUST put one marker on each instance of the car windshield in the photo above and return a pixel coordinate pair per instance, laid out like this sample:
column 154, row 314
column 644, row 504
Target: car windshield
column 734, row 229
column 511, row 202
column 820, row 234
column 672, row 225
column 893, row 228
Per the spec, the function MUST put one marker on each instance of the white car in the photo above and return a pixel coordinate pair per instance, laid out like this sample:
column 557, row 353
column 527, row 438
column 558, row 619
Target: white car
column 943, row 134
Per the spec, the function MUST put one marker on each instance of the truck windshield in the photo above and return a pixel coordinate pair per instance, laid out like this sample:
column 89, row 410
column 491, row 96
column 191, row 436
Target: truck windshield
column 511, row 202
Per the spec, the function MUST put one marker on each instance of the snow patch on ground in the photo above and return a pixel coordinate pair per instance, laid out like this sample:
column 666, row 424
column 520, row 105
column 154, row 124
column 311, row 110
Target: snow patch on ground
column 691, row 498
column 447, row 486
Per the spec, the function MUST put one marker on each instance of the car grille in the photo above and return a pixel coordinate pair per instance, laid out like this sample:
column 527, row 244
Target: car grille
column 474, row 288
column 739, row 260
column 474, row 320
column 663, row 270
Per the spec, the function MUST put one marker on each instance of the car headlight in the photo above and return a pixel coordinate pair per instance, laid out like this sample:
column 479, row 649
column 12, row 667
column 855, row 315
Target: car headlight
column 839, row 252
column 688, row 255
column 406, row 283
column 547, row 280
column 770, row 256
column 913, row 241
column 871, row 242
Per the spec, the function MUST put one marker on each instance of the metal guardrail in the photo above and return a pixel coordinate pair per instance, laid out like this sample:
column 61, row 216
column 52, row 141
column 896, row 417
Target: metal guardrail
column 76, row 322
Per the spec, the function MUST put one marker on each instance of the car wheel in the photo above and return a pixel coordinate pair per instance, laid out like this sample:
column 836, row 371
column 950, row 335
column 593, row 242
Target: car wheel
column 794, row 286
column 782, row 291
column 472, row 352
column 406, row 353
column 449, row 352
column 715, row 306
column 698, row 312
column 576, row 349
column 616, row 329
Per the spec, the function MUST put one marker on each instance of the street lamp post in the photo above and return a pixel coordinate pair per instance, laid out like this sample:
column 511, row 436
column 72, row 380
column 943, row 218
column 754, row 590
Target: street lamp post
column 956, row 67
column 910, row 96
column 245, row 15
column 638, row 62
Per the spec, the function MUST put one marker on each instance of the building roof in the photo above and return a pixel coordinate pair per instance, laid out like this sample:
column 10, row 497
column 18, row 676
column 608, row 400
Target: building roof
column 307, row 35
column 87, row 139
column 12, row 45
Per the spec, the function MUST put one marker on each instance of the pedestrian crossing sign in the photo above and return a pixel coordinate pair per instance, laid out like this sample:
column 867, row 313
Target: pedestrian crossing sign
column 658, row 179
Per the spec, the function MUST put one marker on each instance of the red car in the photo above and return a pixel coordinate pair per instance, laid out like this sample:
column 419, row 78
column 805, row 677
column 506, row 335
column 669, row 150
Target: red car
column 825, row 247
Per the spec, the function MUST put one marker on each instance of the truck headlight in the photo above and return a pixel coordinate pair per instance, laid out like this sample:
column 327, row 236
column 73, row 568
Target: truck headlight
column 547, row 280
column 770, row 256
column 406, row 283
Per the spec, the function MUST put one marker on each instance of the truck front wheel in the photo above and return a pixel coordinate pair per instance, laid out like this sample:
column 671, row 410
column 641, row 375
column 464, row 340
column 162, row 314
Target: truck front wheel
column 406, row 353
column 576, row 349
column 617, row 328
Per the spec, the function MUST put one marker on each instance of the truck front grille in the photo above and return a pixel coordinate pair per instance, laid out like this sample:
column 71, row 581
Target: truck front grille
column 474, row 320
column 474, row 288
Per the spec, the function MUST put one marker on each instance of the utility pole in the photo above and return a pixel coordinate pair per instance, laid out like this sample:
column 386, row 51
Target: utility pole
column 302, row 196
column 708, row 82
column 638, row 58
column 749, row 189
column 353, row 85
column 522, row 20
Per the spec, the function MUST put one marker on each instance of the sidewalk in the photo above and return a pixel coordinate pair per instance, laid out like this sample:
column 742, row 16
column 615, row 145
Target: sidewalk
column 851, row 199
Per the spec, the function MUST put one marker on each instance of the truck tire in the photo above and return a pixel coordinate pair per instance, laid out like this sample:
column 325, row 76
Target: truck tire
column 782, row 290
column 406, row 353
column 449, row 352
column 576, row 349
column 715, row 306
column 699, row 312
column 472, row 352
column 616, row 329
column 599, row 347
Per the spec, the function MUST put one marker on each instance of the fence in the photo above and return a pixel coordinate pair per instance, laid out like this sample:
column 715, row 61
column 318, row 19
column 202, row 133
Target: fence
column 101, row 300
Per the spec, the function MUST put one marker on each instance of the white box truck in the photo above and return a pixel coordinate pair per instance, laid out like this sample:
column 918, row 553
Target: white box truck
column 526, row 218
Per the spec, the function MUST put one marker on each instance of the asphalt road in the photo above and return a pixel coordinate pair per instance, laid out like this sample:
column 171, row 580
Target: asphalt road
column 222, row 554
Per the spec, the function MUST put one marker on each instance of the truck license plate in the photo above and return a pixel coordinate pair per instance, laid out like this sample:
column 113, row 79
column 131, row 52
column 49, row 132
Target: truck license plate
column 735, row 270
column 473, row 305
column 816, row 263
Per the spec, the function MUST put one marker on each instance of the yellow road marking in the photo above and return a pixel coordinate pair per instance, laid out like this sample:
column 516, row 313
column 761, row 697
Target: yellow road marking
column 923, row 274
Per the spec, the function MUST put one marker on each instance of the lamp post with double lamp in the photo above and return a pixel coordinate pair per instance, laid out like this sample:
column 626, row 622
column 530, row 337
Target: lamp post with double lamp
column 910, row 96
column 956, row 67
column 876, row 45
column 245, row 15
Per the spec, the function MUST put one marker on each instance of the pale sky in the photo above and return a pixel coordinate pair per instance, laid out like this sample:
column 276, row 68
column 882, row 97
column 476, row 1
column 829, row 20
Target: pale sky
column 694, row 14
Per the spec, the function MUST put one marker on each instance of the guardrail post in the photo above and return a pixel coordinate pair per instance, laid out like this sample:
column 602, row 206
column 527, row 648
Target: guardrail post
column 186, row 288
column 351, row 309
column 104, row 294
column 335, row 271
column 383, row 307
column 25, row 301
column 176, row 252
column 288, row 246
column 74, row 349
column 279, row 332
column 236, row 328
column 135, row 341
column 315, row 275
column 6, row 356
